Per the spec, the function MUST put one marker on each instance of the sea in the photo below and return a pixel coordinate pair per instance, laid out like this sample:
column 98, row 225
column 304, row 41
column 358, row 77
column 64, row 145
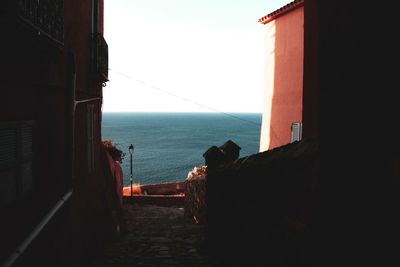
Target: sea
column 169, row 145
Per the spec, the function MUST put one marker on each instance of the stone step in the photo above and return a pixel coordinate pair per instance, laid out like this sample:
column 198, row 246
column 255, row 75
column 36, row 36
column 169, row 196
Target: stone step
column 159, row 200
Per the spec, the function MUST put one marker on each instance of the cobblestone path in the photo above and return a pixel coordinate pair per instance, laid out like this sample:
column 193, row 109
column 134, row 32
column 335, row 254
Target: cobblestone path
column 156, row 236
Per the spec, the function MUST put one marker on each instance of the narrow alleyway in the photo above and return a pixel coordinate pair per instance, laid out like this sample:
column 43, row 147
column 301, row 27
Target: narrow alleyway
column 157, row 236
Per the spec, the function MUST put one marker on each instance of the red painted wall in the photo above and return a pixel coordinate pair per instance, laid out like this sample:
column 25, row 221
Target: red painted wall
column 34, row 86
column 283, row 89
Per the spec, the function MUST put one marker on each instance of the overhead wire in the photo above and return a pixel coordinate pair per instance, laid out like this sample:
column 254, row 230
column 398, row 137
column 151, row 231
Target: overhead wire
column 189, row 100
column 183, row 98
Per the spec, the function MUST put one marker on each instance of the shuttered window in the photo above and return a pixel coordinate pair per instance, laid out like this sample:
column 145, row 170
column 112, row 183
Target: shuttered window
column 296, row 131
column 90, row 137
column 16, row 160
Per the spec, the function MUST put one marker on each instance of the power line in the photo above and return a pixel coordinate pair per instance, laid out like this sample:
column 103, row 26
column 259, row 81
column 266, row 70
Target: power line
column 191, row 101
column 181, row 97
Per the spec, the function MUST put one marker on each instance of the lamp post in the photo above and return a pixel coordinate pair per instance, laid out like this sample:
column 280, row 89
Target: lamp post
column 131, row 152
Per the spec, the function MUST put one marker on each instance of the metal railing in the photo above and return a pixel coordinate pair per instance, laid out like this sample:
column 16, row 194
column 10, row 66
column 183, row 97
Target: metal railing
column 28, row 240
column 99, row 58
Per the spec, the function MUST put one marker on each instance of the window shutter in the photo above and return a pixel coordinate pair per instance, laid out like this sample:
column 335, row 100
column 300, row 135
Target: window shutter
column 8, row 159
column 90, row 137
column 16, row 160
column 26, row 150
column 296, row 131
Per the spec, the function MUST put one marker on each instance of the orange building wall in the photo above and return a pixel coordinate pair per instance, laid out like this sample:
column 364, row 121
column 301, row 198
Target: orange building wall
column 283, row 78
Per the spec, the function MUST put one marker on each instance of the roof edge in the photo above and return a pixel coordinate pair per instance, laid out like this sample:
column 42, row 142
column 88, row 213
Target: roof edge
column 281, row 11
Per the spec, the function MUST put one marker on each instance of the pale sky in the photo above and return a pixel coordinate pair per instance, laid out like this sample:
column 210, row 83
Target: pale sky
column 185, row 55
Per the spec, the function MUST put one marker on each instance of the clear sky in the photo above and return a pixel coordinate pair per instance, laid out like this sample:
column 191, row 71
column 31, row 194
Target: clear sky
column 185, row 55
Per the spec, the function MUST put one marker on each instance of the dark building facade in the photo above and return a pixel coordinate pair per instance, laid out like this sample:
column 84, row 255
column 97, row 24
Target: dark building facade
column 54, row 65
column 339, row 206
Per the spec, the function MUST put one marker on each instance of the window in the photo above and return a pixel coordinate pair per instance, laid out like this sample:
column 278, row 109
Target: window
column 90, row 137
column 16, row 160
column 297, row 128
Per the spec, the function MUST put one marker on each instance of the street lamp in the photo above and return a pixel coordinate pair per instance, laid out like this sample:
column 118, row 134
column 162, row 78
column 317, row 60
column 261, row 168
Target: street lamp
column 131, row 152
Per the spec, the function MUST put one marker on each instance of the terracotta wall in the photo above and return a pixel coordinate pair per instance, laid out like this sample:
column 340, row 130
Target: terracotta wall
column 283, row 78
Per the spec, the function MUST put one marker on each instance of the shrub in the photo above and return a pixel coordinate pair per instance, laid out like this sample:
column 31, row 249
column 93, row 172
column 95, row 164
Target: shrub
column 112, row 149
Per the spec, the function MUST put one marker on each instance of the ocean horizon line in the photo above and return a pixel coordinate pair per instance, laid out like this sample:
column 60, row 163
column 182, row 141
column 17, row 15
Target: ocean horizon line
column 169, row 145
column 185, row 112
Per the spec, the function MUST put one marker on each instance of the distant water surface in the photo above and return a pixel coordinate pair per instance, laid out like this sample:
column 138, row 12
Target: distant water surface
column 168, row 145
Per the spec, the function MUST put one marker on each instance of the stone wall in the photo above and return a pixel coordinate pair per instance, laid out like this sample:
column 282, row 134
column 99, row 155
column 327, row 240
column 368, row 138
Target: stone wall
column 261, row 208
column 195, row 196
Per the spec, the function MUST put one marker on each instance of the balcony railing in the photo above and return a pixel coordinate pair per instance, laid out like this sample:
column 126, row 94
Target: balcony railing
column 46, row 16
column 99, row 58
